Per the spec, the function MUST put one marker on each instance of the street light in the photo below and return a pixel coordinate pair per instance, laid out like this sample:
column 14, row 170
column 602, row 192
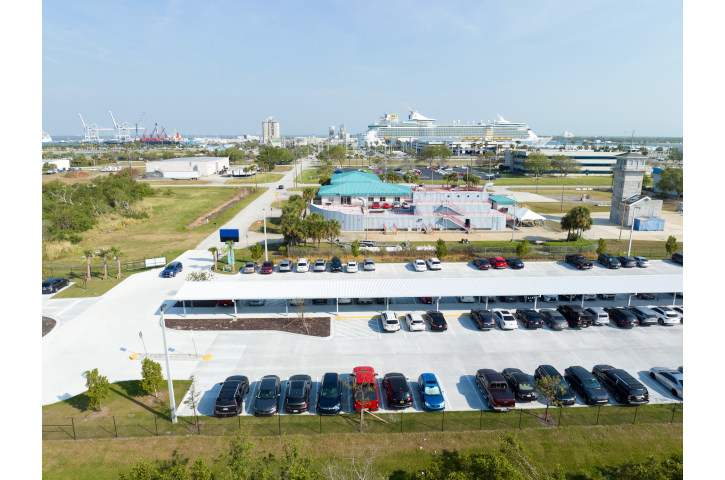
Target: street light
column 264, row 217
column 631, row 231
column 513, row 224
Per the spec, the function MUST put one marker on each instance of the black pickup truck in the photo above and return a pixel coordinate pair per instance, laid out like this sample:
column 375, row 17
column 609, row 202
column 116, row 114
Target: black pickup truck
column 579, row 261
column 575, row 315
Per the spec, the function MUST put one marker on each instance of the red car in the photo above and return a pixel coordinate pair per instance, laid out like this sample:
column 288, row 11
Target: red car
column 386, row 205
column 497, row 262
column 225, row 303
column 365, row 389
column 378, row 171
column 375, row 205
column 426, row 299
column 267, row 267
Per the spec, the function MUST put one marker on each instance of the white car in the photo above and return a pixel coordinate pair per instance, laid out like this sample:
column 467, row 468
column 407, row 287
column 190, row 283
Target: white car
column 320, row 265
column 466, row 299
column 599, row 315
column 390, row 321
column 665, row 315
column 303, row 265
column 589, row 296
column 344, row 301
column 679, row 311
column 369, row 264
column 670, row 378
column 505, row 319
column 642, row 262
column 549, row 298
column 415, row 322
column 351, row 267
column 434, row 264
column 93, row 169
column 419, row 265
column 256, row 303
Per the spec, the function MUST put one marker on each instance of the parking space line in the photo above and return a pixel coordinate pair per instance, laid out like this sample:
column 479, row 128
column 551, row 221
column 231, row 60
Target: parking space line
column 249, row 403
column 448, row 402
column 69, row 307
column 475, row 390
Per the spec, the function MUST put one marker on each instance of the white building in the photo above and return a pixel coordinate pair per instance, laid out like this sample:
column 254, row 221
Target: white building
column 60, row 163
column 270, row 130
column 204, row 165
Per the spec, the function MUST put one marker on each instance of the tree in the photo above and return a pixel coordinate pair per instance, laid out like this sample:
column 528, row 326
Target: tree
column 522, row 249
column 537, row 163
column 98, row 389
column 256, row 251
column 49, row 166
column 441, row 249
column 333, row 230
column 675, row 155
column 671, row 181
column 451, row 178
column 290, row 224
column 316, row 227
column 565, row 164
column 301, row 312
column 411, row 177
column 471, row 179
column 192, row 399
column 104, row 254
column 550, row 387
column 355, row 249
column 213, row 251
column 646, row 180
column 357, row 465
column 88, row 254
column 671, row 245
column 578, row 219
column 309, row 194
column 199, row 276
column 117, row 254
column 151, row 375
column 602, row 246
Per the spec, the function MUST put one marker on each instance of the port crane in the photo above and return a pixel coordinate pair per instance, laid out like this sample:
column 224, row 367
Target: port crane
column 123, row 130
column 91, row 131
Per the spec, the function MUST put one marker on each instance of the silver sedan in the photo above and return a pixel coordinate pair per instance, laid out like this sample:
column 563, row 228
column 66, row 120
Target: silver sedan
column 670, row 378
column 642, row 262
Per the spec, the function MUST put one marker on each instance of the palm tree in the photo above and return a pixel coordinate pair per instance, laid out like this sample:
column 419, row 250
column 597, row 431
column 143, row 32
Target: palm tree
column 290, row 225
column 104, row 254
column 213, row 251
column 333, row 229
column 88, row 254
column 308, row 194
column 117, row 254
column 450, row 177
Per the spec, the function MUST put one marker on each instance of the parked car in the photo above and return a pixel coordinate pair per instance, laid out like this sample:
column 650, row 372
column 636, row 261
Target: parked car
column 497, row 262
column 266, row 401
column 482, row 264
column 296, row 302
column 52, row 285
column 483, row 319
column 627, row 262
column 419, row 265
column 564, row 393
column 609, row 261
column 365, row 389
column 329, row 398
column 384, row 301
column 415, row 322
column 467, row 299
column 531, row 318
column 680, row 311
column 297, row 398
column 386, row 206
column 646, row 296
column 320, row 265
column 505, row 319
column 172, row 269
column 509, row 298
column 520, row 384
column 319, row 301
column 588, row 297
column 369, row 264
column 397, row 391
column 280, row 187
column 515, row 263
column 575, row 315
column 677, row 258
column 495, row 390
column 352, row 267
column 644, row 315
column 225, row 303
column 528, row 298
column 338, row 171
column 579, row 261
column 584, row 382
column 436, row 320
column 549, row 298
column 303, row 265
column 492, row 299
column 375, row 205
column 434, row 264
column 426, row 300
column 568, row 297
column 599, row 315
column 390, row 321
column 670, row 378
column 249, row 267
column 606, row 296
column 431, row 392
column 624, row 387
column 285, row 266
column 622, row 317
column 336, row 264
column 256, row 303
column 267, row 268
column 642, row 262
column 231, row 395
column 344, row 301
column 554, row 319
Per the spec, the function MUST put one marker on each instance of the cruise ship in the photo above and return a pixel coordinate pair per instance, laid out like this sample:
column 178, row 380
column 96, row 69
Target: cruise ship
column 417, row 126
column 46, row 138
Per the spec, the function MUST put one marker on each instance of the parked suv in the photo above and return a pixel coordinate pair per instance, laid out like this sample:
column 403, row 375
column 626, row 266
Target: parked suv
column 566, row 397
column 369, row 264
column 624, row 387
column 623, row 317
column 397, row 390
column 495, row 390
column 231, row 396
column 584, row 382
column 336, row 264
column 436, row 320
column 677, row 258
column 609, row 261
column 483, row 319
column 575, row 315
column 297, row 399
column 329, row 399
column 531, row 318
column 172, row 269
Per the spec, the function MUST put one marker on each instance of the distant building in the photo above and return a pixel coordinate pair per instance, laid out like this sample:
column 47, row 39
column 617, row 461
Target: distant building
column 204, row 165
column 60, row 163
column 590, row 161
column 270, row 129
column 627, row 198
column 331, row 133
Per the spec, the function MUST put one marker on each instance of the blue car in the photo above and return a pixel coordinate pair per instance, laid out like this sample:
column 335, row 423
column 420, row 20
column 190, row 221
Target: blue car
column 338, row 171
column 431, row 392
column 172, row 269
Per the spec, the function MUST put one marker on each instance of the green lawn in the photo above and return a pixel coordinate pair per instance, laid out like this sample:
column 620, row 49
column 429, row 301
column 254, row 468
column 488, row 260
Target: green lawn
column 272, row 225
column 584, row 180
column 261, row 179
column 557, row 207
column 308, row 176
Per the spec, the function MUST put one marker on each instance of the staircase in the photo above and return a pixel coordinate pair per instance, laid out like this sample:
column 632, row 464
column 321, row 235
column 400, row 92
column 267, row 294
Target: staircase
column 457, row 222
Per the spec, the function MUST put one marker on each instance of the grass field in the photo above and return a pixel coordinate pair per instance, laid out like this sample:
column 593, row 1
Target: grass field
column 589, row 181
column 262, row 178
column 603, row 195
column 179, row 182
column 556, row 207
column 308, row 176
column 272, row 225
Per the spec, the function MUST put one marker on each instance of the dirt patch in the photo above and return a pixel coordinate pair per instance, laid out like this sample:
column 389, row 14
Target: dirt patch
column 48, row 325
column 319, row 326
column 77, row 174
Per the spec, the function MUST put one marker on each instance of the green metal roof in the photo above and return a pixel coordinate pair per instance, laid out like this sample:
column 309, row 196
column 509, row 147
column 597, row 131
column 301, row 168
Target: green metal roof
column 363, row 189
column 501, row 199
column 354, row 177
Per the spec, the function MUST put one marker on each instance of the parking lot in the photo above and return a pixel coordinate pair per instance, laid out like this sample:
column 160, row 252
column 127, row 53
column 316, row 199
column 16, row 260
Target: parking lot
column 425, row 174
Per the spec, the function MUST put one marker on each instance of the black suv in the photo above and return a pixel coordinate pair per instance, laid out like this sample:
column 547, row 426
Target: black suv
column 397, row 390
column 575, row 315
column 483, row 319
column 336, row 265
column 436, row 320
column 609, row 261
column 624, row 387
column 531, row 318
column 230, row 398
column 329, row 399
column 677, row 258
column 297, row 399
column 566, row 397
column 581, row 380
column 623, row 317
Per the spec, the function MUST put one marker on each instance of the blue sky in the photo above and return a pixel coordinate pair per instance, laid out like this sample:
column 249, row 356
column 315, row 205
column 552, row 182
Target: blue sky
column 589, row 67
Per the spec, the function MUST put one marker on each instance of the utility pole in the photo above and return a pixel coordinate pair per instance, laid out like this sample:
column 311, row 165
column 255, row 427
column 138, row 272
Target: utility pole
column 170, row 383
column 264, row 217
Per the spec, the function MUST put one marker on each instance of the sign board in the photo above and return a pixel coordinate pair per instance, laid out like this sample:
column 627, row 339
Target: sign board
column 229, row 235
column 155, row 262
column 259, row 222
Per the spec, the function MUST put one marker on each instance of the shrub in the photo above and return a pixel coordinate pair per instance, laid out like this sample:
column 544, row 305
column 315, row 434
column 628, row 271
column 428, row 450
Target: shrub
column 283, row 250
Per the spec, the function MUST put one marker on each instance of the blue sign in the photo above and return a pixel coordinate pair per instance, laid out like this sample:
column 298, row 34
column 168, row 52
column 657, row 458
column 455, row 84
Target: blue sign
column 229, row 234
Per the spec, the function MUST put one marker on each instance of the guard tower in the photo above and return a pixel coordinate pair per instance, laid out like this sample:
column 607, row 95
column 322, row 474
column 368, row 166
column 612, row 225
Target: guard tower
column 627, row 189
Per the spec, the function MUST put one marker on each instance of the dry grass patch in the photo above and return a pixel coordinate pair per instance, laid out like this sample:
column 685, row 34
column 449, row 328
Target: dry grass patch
column 53, row 250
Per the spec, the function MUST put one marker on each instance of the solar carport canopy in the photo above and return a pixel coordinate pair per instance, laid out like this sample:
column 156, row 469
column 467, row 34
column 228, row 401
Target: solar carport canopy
column 455, row 279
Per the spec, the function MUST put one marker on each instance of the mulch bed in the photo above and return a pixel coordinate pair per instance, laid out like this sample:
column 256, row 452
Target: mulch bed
column 49, row 323
column 319, row 326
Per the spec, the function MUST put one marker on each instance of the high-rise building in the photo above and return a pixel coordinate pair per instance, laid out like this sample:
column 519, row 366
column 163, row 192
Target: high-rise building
column 341, row 133
column 270, row 129
column 331, row 133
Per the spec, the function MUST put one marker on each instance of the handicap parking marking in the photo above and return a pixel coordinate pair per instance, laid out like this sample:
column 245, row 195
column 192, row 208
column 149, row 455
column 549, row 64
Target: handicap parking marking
column 357, row 328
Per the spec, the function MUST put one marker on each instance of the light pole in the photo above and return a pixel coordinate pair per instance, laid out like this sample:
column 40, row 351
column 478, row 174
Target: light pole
column 631, row 231
column 264, row 217
column 513, row 224
column 170, row 383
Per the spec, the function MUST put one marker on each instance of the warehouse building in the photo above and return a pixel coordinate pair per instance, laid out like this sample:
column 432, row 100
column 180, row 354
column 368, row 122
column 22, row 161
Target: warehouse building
column 590, row 161
column 204, row 165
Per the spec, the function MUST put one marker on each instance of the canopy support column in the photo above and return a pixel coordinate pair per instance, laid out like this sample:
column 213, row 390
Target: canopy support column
column 629, row 300
column 535, row 297
column 337, row 305
column 486, row 303
column 235, row 309
column 582, row 300
column 674, row 298
column 183, row 302
column 437, row 298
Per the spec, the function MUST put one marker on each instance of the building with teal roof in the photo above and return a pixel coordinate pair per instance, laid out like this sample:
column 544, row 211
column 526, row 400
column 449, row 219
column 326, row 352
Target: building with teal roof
column 354, row 177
